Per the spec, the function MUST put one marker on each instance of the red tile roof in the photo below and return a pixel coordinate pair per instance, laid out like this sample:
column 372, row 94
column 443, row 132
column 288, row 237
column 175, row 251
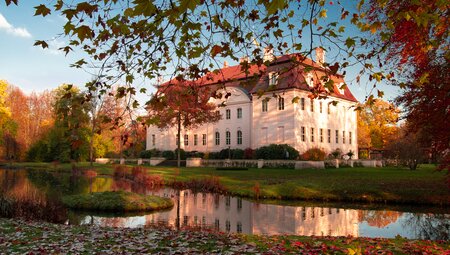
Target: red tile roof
column 291, row 69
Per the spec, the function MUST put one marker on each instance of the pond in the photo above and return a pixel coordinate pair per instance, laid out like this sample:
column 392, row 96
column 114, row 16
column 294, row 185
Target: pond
column 37, row 195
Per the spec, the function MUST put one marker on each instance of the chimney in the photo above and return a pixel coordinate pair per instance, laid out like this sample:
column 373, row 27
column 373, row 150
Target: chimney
column 268, row 54
column 225, row 64
column 320, row 55
column 243, row 59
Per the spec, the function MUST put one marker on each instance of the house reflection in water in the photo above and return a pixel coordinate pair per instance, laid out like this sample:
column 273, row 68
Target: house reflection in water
column 231, row 214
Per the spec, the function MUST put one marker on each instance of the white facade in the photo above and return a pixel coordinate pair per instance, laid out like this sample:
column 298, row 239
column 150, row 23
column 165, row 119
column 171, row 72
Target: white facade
column 280, row 121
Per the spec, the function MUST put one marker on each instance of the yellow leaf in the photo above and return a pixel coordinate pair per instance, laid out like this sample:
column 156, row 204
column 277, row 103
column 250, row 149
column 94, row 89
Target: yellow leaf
column 323, row 13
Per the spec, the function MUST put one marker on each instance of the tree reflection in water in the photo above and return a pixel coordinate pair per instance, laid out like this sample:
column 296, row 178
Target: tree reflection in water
column 429, row 226
column 380, row 218
column 20, row 198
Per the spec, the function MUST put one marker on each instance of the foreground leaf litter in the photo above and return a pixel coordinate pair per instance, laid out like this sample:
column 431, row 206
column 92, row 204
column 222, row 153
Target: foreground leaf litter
column 24, row 237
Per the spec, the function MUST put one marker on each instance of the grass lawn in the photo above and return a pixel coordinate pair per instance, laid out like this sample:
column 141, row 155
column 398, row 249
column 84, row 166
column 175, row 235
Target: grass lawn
column 359, row 184
column 119, row 201
column 20, row 237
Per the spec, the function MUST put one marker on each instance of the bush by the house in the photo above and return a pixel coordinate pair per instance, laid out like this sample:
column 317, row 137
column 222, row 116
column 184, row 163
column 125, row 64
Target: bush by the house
column 182, row 154
column 150, row 153
column 249, row 153
column 336, row 154
column 277, row 151
column 194, row 154
column 168, row 155
column 314, row 154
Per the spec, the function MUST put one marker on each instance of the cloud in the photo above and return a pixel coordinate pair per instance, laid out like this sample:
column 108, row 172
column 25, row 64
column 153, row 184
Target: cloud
column 10, row 29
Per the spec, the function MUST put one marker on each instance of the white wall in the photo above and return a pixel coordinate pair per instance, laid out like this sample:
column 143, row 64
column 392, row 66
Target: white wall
column 274, row 126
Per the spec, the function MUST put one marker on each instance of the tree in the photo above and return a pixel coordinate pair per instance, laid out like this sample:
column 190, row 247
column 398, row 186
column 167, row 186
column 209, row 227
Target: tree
column 377, row 124
column 407, row 150
column 126, row 40
column 411, row 33
column 183, row 105
column 427, row 109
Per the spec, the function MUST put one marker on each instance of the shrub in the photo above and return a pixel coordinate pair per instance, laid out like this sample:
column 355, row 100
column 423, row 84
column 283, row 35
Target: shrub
column 111, row 154
column 150, row 153
column 277, row 151
column 168, row 155
column 249, row 153
column 314, row 154
column 350, row 154
column 182, row 154
column 336, row 153
column 237, row 154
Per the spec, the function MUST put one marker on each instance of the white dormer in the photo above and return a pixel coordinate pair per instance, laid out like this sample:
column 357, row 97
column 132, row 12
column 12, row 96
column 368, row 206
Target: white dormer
column 273, row 78
column 309, row 80
column 340, row 88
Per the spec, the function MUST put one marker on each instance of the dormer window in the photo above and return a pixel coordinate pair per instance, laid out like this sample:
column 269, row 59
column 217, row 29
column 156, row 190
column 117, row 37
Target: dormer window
column 310, row 80
column 273, row 78
column 341, row 88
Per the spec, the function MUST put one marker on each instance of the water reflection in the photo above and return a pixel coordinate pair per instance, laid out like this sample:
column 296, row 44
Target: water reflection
column 231, row 214
column 223, row 213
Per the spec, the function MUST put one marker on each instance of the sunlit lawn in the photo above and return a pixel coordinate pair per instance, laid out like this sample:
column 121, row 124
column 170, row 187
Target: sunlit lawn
column 387, row 184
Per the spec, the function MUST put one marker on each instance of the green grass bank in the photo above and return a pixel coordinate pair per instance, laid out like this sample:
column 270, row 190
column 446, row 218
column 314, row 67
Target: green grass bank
column 370, row 185
column 117, row 201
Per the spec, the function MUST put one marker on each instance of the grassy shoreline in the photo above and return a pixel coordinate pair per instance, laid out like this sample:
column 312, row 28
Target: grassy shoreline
column 119, row 201
column 19, row 237
column 388, row 185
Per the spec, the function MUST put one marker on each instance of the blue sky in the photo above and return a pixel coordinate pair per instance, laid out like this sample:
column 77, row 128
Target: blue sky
column 34, row 69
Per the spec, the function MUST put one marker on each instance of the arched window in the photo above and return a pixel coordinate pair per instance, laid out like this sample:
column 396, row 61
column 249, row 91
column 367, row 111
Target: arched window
column 228, row 137
column 217, row 138
column 239, row 137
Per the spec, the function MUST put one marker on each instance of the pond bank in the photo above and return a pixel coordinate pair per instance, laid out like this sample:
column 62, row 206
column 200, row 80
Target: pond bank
column 18, row 237
column 387, row 185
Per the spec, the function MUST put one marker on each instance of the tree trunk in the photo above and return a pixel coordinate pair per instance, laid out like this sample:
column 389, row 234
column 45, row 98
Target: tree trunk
column 179, row 141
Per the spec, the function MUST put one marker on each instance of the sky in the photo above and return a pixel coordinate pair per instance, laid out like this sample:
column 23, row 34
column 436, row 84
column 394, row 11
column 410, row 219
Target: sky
column 35, row 69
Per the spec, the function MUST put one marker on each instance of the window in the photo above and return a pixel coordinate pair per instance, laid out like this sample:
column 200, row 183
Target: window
column 320, row 105
column 273, row 79
column 337, row 136
column 186, row 140
column 312, row 135
column 350, row 137
column 264, row 105
column 239, row 227
column 239, row 137
column 280, row 103
column 204, row 139
column 239, row 113
column 329, row 135
column 153, row 140
column 343, row 136
column 195, row 140
column 312, row 105
column 228, row 137
column 321, row 135
column 228, row 114
column 217, row 138
column 303, row 134
column 302, row 103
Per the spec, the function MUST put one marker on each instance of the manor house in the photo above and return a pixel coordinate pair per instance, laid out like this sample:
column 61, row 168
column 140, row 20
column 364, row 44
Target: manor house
column 272, row 105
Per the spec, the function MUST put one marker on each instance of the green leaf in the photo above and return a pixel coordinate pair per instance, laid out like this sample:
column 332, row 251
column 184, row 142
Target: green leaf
column 349, row 42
